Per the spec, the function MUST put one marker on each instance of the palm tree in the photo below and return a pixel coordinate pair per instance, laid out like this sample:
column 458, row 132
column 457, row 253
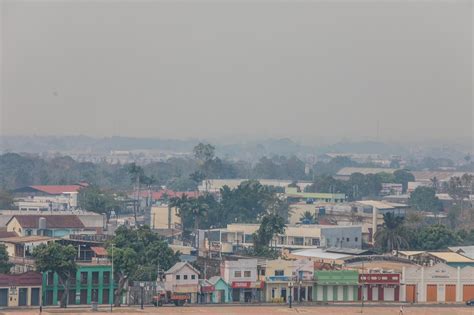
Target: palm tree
column 391, row 235
column 308, row 218
column 198, row 210
column 136, row 175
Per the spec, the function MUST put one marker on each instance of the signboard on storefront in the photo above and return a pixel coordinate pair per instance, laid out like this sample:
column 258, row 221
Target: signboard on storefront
column 379, row 278
column 185, row 288
column 207, row 289
column 247, row 284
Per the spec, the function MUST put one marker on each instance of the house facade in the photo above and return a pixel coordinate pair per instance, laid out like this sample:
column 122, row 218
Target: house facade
column 20, row 289
column 336, row 285
column 222, row 290
column 244, row 280
column 183, row 278
column 379, row 287
column 437, row 284
column 92, row 283
column 48, row 225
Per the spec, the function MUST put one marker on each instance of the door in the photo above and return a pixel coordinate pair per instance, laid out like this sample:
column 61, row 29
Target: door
column 35, row 296
column 236, row 295
column 248, row 296
column 389, row 294
column 22, row 296
column 411, row 293
column 3, row 297
column 450, row 293
column 330, row 293
column 221, row 296
column 283, row 294
column 431, row 293
column 375, row 293
column 468, row 292
column 105, row 296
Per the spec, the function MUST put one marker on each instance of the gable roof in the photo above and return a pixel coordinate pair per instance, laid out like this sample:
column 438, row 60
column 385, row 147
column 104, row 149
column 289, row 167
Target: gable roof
column 28, row 278
column 467, row 251
column 52, row 221
column 215, row 279
column 451, row 257
column 180, row 265
column 51, row 189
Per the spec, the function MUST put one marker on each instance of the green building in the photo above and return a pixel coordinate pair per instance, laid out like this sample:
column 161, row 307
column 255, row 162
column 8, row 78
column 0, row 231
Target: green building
column 336, row 285
column 222, row 290
column 92, row 283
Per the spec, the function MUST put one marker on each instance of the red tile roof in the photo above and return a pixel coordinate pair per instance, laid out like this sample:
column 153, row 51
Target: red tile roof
column 52, row 221
column 99, row 251
column 30, row 278
column 5, row 234
column 57, row 189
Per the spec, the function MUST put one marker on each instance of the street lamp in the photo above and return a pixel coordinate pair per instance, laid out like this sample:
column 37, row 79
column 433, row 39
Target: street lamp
column 290, row 286
column 112, row 276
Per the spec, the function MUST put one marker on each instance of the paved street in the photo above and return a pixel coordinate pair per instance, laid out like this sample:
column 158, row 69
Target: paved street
column 263, row 310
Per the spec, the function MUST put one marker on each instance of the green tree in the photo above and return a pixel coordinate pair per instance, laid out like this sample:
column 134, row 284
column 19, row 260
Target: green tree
column 60, row 259
column 436, row 237
column 6, row 200
column 270, row 226
column 308, row 217
column 138, row 254
column 403, row 177
column 424, row 199
column 5, row 265
column 391, row 236
column 92, row 198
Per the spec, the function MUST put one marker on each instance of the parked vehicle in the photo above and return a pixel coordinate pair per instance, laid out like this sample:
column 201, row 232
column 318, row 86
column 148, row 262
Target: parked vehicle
column 178, row 299
column 470, row 302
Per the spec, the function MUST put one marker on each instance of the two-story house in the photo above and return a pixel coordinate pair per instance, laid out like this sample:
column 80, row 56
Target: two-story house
column 47, row 225
column 244, row 280
column 183, row 278
column 279, row 273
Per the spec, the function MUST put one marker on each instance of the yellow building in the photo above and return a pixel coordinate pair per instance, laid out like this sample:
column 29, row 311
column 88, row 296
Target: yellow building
column 20, row 289
column 279, row 273
column 163, row 217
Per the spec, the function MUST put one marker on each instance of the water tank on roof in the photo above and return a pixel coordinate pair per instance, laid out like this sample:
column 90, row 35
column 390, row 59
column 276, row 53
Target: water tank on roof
column 42, row 223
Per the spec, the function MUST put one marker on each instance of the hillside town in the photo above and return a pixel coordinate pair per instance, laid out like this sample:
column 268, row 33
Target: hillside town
column 394, row 236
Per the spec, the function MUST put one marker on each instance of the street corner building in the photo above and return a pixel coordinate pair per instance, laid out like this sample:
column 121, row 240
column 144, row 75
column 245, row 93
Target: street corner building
column 20, row 289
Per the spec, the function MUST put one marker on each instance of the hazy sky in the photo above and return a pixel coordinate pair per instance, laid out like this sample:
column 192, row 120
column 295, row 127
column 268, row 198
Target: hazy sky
column 299, row 69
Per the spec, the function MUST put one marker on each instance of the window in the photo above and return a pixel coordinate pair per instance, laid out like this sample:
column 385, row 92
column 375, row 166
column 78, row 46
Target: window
column 347, row 239
column 106, row 277
column 178, row 277
column 185, row 277
column 247, row 274
column 356, row 239
column 279, row 273
column 83, row 277
column 262, row 272
column 95, row 277
column 315, row 241
column 50, row 279
column 298, row 240
column 237, row 274
column 193, row 277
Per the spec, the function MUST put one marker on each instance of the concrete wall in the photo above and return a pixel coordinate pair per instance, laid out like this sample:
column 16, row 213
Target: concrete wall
column 342, row 236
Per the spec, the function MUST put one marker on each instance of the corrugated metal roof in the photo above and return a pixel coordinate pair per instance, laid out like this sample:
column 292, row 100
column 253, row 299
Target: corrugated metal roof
column 451, row 257
column 348, row 171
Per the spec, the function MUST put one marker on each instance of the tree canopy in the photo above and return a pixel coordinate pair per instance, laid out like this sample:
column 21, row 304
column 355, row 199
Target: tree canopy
column 138, row 254
column 5, row 265
column 60, row 259
column 424, row 199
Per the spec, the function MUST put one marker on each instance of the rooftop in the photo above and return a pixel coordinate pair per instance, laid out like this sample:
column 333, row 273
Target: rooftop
column 52, row 221
column 467, row 251
column 451, row 257
column 348, row 171
column 26, row 239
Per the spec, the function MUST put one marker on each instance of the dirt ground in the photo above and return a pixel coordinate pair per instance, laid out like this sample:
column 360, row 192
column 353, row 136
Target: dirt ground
column 262, row 310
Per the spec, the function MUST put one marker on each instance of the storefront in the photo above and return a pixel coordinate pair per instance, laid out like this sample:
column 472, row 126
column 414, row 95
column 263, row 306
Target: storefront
column 379, row 287
column 247, row 291
column 206, row 289
column 336, row 285
column 437, row 284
